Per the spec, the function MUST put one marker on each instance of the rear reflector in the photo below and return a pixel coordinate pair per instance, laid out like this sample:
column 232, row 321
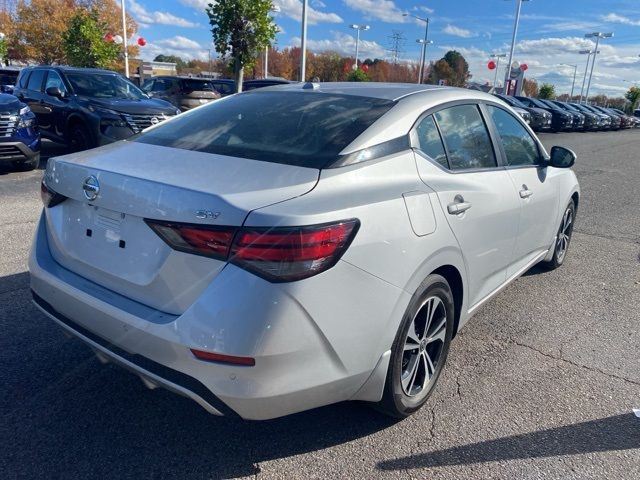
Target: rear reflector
column 218, row 357
column 278, row 254
column 50, row 198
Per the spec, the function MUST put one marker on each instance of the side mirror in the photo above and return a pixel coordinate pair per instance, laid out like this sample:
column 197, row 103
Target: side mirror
column 55, row 92
column 562, row 157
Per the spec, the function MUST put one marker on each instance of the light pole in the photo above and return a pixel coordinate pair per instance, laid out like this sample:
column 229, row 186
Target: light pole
column 497, row 56
column 598, row 36
column 358, row 29
column 575, row 71
column 303, row 41
column 513, row 43
column 423, row 56
column 586, row 69
column 124, row 39
column 424, row 43
column 274, row 9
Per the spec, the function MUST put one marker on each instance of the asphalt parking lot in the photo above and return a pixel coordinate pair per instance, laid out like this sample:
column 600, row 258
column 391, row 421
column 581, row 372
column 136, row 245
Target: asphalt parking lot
column 540, row 384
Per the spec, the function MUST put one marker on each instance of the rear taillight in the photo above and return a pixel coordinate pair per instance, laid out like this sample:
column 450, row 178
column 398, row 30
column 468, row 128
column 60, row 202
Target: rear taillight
column 278, row 254
column 50, row 198
column 220, row 358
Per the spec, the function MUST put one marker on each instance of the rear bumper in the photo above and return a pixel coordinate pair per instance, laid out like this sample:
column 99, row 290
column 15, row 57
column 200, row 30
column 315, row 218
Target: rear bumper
column 300, row 361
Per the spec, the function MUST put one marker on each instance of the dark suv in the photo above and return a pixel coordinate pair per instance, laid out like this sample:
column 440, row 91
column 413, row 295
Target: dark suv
column 86, row 107
column 183, row 92
column 19, row 136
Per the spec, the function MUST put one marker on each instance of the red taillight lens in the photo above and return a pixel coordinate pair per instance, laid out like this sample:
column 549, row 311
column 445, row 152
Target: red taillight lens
column 286, row 254
column 279, row 254
column 206, row 240
column 49, row 197
column 220, row 358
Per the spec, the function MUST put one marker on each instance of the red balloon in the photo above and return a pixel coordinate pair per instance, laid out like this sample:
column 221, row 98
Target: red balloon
column 142, row 42
column 524, row 67
column 108, row 38
column 365, row 68
column 491, row 65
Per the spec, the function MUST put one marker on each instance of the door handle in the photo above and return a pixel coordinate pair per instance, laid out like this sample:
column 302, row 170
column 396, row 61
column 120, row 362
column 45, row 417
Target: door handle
column 458, row 205
column 525, row 192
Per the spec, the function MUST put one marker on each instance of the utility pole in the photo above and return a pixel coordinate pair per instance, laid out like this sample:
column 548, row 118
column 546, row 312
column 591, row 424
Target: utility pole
column 124, row 39
column 424, row 43
column 598, row 36
column 586, row 69
column 303, row 42
column 358, row 29
column 513, row 44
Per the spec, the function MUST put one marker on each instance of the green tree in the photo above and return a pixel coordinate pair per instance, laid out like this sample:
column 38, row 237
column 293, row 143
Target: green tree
column 84, row 43
column 241, row 29
column 3, row 51
column 633, row 95
column 180, row 63
column 441, row 70
column 358, row 76
column 459, row 68
column 547, row 91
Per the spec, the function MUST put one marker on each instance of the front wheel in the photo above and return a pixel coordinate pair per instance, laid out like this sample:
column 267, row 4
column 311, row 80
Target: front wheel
column 420, row 348
column 563, row 237
column 79, row 138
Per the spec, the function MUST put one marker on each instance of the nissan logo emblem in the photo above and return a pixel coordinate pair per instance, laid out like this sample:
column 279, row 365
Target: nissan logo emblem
column 154, row 120
column 91, row 187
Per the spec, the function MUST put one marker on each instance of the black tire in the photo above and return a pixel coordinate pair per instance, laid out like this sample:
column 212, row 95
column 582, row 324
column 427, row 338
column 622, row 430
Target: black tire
column 396, row 402
column 561, row 245
column 79, row 138
column 28, row 165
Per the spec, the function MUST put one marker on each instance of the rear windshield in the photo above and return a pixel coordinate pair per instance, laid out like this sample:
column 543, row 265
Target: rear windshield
column 197, row 85
column 306, row 129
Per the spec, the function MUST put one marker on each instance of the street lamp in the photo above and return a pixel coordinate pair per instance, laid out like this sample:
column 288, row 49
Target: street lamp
column 425, row 42
column 423, row 55
column 124, row 39
column 513, row 43
column 275, row 9
column 497, row 56
column 598, row 36
column 586, row 68
column 358, row 29
column 303, row 41
column 575, row 70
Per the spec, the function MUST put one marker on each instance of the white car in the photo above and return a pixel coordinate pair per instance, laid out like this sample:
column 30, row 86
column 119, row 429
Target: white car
column 295, row 246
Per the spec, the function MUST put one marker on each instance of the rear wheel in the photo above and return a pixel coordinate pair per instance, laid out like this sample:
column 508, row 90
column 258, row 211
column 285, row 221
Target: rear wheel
column 563, row 238
column 79, row 138
column 420, row 348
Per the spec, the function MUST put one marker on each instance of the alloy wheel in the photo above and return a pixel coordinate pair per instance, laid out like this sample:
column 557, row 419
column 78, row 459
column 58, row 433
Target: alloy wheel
column 564, row 235
column 423, row 346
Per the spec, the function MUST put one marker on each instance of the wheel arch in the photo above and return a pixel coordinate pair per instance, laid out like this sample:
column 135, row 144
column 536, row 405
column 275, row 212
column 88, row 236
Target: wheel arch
column 77, row 119
column 454, row 279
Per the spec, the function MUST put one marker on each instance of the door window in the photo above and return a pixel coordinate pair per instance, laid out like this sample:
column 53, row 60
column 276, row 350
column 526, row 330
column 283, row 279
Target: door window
column 466, row 138
column 35, row 80
column 54, row 80
column 519, row 147
column 148, row 86
column 430, row 142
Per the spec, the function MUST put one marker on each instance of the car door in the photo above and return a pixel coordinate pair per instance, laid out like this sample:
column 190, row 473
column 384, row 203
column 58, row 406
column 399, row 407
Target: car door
column 537, row 193
column 54, row 110
column 456, row 158
column 32, row 95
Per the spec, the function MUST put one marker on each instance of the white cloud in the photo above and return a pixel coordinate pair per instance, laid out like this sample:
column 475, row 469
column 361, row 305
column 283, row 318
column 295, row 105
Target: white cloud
column 147, row 17
column 344, row 44
column 293, row 9
column 615, row 18
column 384, row 10
column 179, row 46
column 458, row 32
column 197, row 4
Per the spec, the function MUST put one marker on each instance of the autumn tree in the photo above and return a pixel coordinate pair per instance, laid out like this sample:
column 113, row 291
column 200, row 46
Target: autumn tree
column 84, row 43
column 441, row 70
column 241, row 29
column 547, row 91
column 530, row 88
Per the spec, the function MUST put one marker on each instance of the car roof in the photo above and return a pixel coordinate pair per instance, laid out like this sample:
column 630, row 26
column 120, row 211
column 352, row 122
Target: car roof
column 67, row 69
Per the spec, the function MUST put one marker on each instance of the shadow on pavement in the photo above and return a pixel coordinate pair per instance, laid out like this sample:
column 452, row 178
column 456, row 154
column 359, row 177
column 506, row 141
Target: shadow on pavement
column 65, row 415
column 620, row 432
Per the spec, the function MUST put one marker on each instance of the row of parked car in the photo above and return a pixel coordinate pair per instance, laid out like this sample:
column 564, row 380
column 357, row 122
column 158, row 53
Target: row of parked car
column 553, row 115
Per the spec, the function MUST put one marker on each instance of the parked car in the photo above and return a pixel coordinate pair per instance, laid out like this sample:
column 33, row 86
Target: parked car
column 263, row 82
column 85, row 107
column 619, row 121
column 591, row 120
column 540, row 119
column 526, row 116
column 560, row 120
column 301, row 245
column 8, row 77
column 604, row 122
column 183, row 92
column 630, row 120
column 636, row 113
column 19, row 136
column 224, row 86
column 577, row 118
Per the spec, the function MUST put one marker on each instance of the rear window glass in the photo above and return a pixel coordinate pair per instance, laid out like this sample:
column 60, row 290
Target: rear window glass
column 296, row 128
column 197, row 85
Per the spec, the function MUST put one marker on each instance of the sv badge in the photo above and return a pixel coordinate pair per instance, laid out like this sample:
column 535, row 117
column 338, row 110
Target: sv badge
column 204, row 214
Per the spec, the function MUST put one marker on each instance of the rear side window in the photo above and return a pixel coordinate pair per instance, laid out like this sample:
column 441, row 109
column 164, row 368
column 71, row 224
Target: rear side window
column 191, row 85
column 223, row 88
column 306, row 129
column 35, row 80
column 518, row 145
column 430, row 142
column 466, row 138
column 24, row 78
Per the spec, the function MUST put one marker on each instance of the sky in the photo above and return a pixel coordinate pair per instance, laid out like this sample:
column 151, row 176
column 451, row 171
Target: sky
column 550, row 35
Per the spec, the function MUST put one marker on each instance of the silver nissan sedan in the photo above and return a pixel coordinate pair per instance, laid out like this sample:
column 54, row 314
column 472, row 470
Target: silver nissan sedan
column 300, row 245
